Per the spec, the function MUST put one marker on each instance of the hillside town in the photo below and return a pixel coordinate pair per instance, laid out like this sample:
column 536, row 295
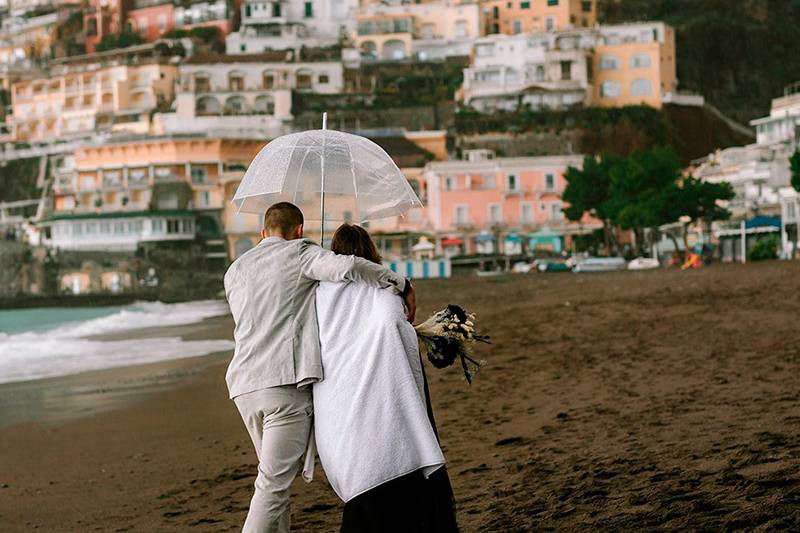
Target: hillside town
column 127, row 126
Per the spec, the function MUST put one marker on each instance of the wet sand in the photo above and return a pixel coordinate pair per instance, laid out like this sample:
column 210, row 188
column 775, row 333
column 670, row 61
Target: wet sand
column 623, row 401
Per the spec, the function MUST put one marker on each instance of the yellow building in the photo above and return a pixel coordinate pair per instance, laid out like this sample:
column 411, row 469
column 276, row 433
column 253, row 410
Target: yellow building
column 80, row 97
column 634, row 64
column 524, row 16
column 120, row 196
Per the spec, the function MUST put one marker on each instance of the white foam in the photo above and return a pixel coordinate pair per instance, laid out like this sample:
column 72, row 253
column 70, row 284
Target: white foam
column 64, row 350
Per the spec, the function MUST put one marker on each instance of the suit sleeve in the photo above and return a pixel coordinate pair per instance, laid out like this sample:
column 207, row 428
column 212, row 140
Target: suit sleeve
column 319, row 264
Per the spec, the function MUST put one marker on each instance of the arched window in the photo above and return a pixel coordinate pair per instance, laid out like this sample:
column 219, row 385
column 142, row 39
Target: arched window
column 640, row 61
column 369, row 49
column 264, row 105
column 236, row 81
column 269, row 79
column 610, row 89
column 236, row 105
column 540, row 73
column 609, row 63
column 304, row 79
column 641, row 87
column 207, row 106
column 202, row 83
column 394, row 49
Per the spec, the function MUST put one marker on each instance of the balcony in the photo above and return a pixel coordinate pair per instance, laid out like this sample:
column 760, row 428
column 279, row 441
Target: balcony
column 385, row 26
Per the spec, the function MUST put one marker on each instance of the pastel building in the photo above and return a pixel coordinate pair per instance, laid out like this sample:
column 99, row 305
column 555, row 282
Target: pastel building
column 634, row 64
column 523, row 16
column 122, row 196
column 605, row 66
column 23, row 37
column 81, row 97
column 151, row 18
column 290, row 24
column 395, row 32
column 101, row 18
column 248, row 94
column 500, row 205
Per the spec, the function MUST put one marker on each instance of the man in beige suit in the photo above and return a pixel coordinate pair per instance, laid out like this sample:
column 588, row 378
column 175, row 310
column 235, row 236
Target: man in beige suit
column 271, row 293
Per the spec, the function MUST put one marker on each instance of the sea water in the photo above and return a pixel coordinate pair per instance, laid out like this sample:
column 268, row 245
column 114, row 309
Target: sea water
column 49, row 342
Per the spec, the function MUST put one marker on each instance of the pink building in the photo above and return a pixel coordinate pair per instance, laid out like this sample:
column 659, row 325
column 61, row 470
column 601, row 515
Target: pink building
column 505, row 205
column 151, row 18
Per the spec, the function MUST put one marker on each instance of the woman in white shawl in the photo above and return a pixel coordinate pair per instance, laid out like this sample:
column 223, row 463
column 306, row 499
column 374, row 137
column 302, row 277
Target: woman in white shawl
column 375, row 439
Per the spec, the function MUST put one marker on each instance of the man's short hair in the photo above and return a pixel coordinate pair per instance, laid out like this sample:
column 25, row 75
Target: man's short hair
column 283, row 217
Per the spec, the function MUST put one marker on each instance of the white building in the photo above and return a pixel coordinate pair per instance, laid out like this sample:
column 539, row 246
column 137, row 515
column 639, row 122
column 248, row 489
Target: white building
column 246, row 94
column 759, row 172
column 201, row 12
column 540, row 70
column 290, row 24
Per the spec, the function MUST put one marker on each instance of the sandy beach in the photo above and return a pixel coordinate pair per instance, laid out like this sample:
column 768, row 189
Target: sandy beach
column 623, row 401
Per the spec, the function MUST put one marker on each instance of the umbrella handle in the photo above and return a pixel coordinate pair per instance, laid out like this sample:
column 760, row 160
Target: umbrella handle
column 322, row 185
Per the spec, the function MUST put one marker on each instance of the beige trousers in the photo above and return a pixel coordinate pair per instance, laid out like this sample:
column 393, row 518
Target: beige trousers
column 279, row 422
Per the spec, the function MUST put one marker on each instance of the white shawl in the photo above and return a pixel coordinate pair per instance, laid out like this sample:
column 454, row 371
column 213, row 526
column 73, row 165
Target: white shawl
column 370, row 419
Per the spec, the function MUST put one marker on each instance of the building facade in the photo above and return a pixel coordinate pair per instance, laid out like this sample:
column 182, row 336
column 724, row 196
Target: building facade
column 605, row 66
column 151, row 18
column 500, row 205
column 290, row 24
column 122, row 196
column 248, row 94
column 101, row 18
column 205, row 13
column 524, row 16
column 395, row 32
column 82, row 98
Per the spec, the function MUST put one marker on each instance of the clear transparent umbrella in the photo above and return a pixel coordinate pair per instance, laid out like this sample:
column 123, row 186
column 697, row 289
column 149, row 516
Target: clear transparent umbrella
column 330, row 175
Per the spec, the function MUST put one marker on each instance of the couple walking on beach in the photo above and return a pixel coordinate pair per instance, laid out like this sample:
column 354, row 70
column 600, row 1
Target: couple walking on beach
column 326, row 359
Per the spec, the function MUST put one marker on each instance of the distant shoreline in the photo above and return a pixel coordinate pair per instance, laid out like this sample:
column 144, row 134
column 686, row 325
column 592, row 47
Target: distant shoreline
column 92, row 300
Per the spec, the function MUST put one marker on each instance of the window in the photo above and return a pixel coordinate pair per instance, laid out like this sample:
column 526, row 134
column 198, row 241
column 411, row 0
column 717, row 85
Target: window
column 566, row 70
column 517, row 26
column 303, row 80
column 248, row 11
column 496, row 12
column 540, row 73
column 202, row 83
column 489, row 182
column 105, row 228
column 609, row 63
column 449, row 184
column 513, row 185
column 495, row 214
column 641, row 87
column 640, row 61
column 555, row 211
column 549, row 182
column 204, row 198
column 199, row 175
column 610, row 89
column 309, row 10
column 550, row 23
column 119, row 228
column 552, row 2
column 162, row 23
column 427, row 31
column 526, row 216
column 525, row 5
column 158, row 225
column 173, row 225
column 790, row 211
column 462, row 215
column 236, row 82
column 586, row 5
column 142, row 25
column 461, row 28
column 323, row 78
column 276, row 9
column 268, row 81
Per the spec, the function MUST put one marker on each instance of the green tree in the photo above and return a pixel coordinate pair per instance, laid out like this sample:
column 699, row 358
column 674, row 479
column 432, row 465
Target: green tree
column 794, row 165
column 587, row 191
column 643, row 191
column 124, row 39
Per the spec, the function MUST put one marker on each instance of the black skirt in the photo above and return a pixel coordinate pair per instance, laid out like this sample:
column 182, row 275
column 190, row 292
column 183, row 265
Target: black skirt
column 408, row 504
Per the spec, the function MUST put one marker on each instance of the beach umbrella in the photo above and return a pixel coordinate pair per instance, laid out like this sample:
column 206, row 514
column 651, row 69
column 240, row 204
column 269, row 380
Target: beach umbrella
column 329, row 175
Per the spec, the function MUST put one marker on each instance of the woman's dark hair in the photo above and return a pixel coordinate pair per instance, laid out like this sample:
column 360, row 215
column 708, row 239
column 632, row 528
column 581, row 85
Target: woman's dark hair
column 350, row 239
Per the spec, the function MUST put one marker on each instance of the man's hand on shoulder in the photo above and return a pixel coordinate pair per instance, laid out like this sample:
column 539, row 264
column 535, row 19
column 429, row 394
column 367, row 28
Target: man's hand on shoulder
column 410, row 301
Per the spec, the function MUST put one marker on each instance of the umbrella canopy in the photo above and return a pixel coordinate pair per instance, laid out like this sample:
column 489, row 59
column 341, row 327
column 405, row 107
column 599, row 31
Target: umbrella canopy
column 355, row 178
